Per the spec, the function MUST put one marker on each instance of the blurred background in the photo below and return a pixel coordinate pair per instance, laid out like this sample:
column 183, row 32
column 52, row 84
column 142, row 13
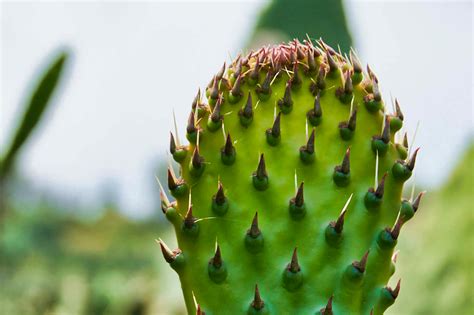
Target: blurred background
column 88, row 91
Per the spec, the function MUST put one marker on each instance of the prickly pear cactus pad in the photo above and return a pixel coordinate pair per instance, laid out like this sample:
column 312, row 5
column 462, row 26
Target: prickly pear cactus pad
column 288, row 193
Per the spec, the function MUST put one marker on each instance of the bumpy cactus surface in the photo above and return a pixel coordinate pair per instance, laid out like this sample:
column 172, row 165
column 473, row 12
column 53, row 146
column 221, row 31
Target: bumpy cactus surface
column 289, row 194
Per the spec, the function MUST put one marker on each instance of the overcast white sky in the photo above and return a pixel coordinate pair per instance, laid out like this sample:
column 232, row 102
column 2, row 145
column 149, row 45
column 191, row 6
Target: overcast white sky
column 134, row 63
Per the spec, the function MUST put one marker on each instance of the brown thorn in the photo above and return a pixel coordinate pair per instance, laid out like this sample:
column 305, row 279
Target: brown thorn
column 348, row 83
column 191, row 127
column 327, row 310
column 276, row 131
column 317, row 105
column 172, row 180
column 261, row 169
column 299, row 198
column 355, row 62
column 361, row 264
column 293, row 266
column 189, row 219
column 199, row 310
column 339, row 224
column 412, row 160
column 395, row 230
column 398, row 111
column 254, row 230
column 257, row 302
column 220, row 74
column 215, row 88
column 405, row 140
column 216, row 261
column 196, row 160
column 228, row 147
column 375, row 90
column 236, row 89
column 247, row 111
column 172, row 144
column 386, row 130
column 196, row 100
column 216, row 112
column 238, row 69
column 345, row 167
column 381, row 186
column 220, row 195
column 416, row 203
column 168, row 254
column 396, row 291
column 351, row 124
column 310, row 143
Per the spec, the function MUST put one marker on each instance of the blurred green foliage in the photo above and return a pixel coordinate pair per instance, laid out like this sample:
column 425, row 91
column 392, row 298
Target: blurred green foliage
column 437, row 251
column 54, row 263
column 34, row 109
column 289, row 19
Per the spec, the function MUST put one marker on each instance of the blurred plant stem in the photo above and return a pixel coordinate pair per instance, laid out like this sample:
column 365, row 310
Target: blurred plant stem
column 34, row 109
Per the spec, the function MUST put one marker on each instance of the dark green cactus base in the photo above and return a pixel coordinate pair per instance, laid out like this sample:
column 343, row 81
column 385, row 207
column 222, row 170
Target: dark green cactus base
column 346, row 256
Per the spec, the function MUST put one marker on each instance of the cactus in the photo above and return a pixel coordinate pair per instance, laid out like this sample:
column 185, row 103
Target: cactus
column 288, row 196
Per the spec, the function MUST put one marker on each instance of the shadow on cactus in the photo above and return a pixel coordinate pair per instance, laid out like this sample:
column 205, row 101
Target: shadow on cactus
column 289, row 193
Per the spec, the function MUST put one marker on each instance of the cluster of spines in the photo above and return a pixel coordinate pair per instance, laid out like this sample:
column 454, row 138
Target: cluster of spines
column 324, row 62
column 220, row 86
column 401, row 170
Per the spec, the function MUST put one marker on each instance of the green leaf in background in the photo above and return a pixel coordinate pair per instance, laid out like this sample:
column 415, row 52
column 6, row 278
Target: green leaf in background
column 284, row 20
column 34, row 110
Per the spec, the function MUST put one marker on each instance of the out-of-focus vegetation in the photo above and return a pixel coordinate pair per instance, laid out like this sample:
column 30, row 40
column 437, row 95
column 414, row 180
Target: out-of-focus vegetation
column 57, row 263
column 437, row 251
column 284, row 20
column 34, row 109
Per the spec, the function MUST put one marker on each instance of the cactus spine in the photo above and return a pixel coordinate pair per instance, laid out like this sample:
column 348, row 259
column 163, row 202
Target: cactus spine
column 276, row 209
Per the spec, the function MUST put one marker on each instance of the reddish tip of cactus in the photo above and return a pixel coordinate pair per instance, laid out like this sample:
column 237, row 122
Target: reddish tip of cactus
column 327, row 310
column 395, row 230
column 189, row 219
column 416, row 203
column 220, row 196
column 398, row 111
column 254, row 230
column 345, row 166
column 381, row 186
column 294, row 266
column 405, row 140
column 299, row 198
column 411, row 162
column 395, row 291
column 172, row 143
column 168, row 254
column 197, row 159
column 172, row 181
column 310, row 143
column 338, row 225
column 261, row 169
column 216, row 261
column 199, row 311
column 361, row 264
column 257, row 302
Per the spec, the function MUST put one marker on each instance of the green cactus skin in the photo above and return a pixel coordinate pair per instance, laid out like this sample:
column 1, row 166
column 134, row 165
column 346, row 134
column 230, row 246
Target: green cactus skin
column 277, row 118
